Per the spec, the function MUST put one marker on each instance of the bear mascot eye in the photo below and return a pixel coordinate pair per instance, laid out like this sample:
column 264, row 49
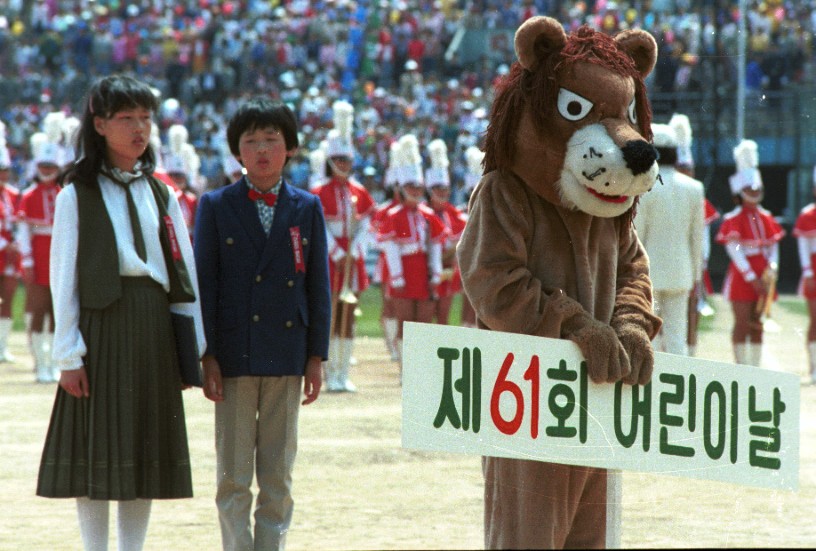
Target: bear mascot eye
column 632, row 110
column 573, row 107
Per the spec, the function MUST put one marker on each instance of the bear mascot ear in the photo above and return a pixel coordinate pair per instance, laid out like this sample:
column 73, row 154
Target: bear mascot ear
column 641, row 47
column 537, row 38
column 540, row 36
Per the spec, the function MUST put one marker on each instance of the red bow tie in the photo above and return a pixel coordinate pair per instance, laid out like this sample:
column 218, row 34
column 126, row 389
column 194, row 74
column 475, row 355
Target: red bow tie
column 268, row 198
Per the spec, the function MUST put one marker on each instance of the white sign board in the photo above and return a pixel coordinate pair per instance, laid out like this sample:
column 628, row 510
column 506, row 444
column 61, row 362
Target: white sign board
column 509, row 395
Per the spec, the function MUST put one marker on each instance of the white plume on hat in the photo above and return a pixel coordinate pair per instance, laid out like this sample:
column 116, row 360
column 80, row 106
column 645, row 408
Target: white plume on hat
column 437, row 174
column 339, row 140
column 682, row 127
column 746, row 156
column 5, row 156
column 156, row 144
column 474, row 158
column 317, row 165
column 664, row 136
column 181, row 156
column 177, row 136
column 45, row 151
column 52, row 126
column 390, row 178
column 70, row 127
column 408, row 161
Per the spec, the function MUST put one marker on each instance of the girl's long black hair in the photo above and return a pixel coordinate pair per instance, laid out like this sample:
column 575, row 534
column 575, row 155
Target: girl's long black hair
column 107, row 96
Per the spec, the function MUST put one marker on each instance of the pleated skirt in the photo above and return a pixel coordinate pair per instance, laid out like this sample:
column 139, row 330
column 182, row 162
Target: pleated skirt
column 128, row 440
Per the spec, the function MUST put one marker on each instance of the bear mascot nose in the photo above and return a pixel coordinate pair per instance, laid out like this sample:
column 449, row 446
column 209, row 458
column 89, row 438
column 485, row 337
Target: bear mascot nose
column 639, row 156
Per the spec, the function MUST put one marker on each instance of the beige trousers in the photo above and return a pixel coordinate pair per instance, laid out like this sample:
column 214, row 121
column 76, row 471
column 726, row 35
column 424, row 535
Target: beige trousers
column 537, row 505
column 256, row 433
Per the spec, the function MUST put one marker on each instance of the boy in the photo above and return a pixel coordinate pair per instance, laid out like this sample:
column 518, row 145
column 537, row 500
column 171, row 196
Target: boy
column 260, row 248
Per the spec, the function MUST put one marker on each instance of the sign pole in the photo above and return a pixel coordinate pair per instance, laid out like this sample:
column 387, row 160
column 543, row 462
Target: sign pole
column 614, row 508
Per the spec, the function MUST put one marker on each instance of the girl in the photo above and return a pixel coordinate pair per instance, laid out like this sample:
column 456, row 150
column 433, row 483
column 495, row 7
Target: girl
column 411, row 236
column 348, row 208
column 388, row 318
column 117, row 430
column 437, row 180
column 473, row 160
column 751, row 237
column 805, row 232
column 35, row 225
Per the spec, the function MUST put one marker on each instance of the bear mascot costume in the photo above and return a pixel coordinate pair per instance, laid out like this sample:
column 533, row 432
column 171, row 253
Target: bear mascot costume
column 550, row 248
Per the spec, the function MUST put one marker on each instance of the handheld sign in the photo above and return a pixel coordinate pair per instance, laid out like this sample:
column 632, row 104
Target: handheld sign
column 509, row 395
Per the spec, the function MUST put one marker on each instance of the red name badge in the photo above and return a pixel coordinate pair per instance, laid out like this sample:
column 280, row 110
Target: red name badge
column 297, row 249
column 171, row 234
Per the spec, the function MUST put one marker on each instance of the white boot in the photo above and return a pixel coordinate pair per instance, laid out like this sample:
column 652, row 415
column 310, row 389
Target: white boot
column 754, row 353
column 38, row 350
column 740, row 353
column 812, row 357
column 390, row 327
column 332, row 366
column 5, row 331
column 346, row 347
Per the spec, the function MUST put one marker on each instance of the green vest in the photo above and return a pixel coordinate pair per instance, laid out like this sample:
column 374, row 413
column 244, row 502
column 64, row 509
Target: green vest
column 98, row 260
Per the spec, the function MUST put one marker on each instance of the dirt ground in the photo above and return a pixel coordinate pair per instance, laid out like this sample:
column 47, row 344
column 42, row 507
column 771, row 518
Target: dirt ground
column 356, row 488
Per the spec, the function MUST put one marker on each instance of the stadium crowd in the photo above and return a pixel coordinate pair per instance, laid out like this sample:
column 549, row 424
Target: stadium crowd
column 392, row 59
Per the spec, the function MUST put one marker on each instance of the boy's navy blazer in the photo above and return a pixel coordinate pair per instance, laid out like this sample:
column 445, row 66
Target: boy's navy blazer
column 264, row 313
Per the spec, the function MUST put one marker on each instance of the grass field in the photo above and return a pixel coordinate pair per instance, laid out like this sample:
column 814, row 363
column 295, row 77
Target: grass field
column 356, row 487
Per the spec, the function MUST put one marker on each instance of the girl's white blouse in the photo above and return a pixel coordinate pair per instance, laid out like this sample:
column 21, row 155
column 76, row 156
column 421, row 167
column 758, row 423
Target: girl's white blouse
column 69, row 346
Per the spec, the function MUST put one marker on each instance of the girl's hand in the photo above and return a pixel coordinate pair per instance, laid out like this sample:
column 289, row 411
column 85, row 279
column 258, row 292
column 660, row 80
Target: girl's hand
column 75, row 382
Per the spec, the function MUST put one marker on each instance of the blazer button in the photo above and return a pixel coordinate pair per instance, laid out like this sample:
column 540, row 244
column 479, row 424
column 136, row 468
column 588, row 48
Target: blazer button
column 305, row 241
column 256, row 317
column 258, row 278
column 230, row 241
column 288, row 324
column 290, row 283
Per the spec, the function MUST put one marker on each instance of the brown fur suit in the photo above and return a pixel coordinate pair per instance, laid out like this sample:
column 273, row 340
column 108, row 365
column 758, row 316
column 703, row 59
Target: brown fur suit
column 550, row 249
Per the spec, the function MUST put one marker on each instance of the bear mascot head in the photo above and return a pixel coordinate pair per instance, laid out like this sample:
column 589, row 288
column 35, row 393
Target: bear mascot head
column 572, row 119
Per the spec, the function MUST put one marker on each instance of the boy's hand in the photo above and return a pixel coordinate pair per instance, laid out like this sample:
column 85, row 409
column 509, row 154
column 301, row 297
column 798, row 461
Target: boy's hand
column 213, row 388
column 312, row 380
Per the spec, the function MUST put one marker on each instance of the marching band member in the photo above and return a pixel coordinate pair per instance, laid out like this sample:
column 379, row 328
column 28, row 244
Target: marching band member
column 69, row 129
column 412, row 237
column 233, row 171
column 317, row 166
column 158, row 151
column 437, row 180
column 181, row 165
column 388, row 317
column 805, row 232
column 9, row 254
column 697, row 304
column 751, row 237
column 180, row 150
column 473, row 161
column 348, row 208
column 670, row 226
column 35, row 220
